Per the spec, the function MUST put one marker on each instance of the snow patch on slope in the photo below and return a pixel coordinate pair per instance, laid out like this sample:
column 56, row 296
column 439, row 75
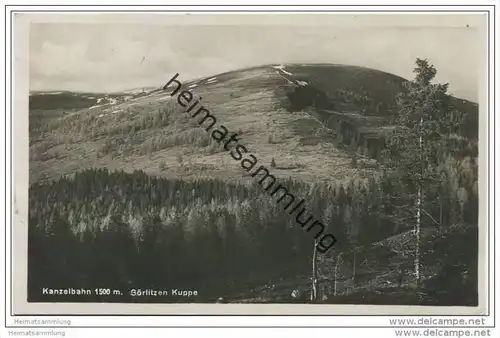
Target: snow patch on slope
column 282, row 69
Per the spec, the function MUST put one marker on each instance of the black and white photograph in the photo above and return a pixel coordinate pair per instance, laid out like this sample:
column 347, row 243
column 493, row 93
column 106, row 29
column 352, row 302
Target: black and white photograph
column 256, row 159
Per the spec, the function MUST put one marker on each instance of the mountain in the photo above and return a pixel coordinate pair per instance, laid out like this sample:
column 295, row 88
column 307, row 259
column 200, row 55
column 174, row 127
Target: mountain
column 281, row 111
column 161, row 195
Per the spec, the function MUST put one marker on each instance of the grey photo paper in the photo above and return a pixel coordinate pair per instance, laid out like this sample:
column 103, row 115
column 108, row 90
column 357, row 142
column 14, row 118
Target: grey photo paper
column 285, row 161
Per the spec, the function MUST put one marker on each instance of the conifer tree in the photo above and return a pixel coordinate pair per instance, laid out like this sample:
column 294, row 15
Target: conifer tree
column 425, row 121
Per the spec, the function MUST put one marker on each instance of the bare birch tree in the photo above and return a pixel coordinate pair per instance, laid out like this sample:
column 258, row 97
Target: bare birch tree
column 314, row 291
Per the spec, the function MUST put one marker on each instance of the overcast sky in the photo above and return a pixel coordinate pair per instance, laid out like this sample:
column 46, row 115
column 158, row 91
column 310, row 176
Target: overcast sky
column 111, row 57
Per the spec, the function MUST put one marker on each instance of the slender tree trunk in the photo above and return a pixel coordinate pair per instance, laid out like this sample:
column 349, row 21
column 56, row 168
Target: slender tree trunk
column 441, row 211
column 335, row 274
column 401, row 275
column 442, row 214
column 419, row 208
column 417, row 231
column 353, row 268
column 314, row 292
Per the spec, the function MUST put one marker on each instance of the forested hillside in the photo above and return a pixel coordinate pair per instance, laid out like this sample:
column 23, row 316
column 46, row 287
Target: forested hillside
column 136, row 195
column 119, row 230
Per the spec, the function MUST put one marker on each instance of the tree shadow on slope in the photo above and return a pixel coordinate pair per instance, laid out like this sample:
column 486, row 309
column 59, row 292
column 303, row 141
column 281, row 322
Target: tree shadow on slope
column 307, row 96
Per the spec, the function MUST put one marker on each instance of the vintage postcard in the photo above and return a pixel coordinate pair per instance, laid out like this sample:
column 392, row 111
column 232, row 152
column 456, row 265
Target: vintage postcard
column 239, row 163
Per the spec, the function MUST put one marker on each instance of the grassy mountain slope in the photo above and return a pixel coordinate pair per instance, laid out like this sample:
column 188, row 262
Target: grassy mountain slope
column 126, row 135
column 148, row 131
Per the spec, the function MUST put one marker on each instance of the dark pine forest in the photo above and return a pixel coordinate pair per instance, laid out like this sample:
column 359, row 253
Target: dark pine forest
column 104, row 229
